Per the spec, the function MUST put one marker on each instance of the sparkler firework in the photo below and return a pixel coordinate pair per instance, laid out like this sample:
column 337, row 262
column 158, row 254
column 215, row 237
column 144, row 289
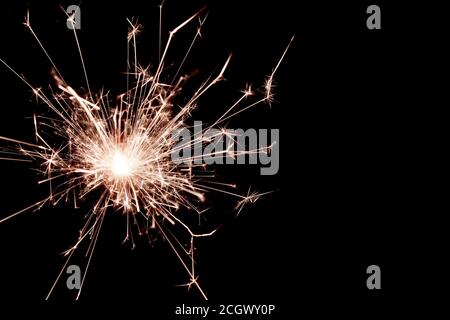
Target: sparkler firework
column 121, row 150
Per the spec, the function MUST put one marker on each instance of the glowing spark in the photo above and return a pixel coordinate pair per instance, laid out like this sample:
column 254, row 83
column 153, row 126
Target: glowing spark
column 121, row 165
column 124, row 152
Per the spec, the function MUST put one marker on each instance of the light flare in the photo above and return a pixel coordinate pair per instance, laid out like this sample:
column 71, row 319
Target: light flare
column 121, row 165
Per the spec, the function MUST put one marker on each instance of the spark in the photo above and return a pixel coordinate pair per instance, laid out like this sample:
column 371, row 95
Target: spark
column 122, row 153
column 269, row 85
column 121, row 165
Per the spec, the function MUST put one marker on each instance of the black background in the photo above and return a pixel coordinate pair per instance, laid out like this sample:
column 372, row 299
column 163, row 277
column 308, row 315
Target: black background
column 346, row 195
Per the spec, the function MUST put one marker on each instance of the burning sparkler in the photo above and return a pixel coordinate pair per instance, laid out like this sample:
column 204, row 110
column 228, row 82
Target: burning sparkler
column 123, row 152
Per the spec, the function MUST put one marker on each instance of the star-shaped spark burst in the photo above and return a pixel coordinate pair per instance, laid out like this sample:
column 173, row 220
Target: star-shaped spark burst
column 123, row 152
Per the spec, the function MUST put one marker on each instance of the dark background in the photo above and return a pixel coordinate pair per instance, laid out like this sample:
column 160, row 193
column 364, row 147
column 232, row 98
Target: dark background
column 347, row 190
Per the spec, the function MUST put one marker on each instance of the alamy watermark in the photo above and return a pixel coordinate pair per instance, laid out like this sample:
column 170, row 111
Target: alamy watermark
column 228, row 146
column 73, row 17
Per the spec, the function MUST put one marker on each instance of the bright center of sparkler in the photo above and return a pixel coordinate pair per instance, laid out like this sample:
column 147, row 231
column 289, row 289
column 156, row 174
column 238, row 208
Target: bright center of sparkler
column 121, row 165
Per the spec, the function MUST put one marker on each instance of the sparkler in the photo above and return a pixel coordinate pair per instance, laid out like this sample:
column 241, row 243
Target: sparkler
column 122, row 152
